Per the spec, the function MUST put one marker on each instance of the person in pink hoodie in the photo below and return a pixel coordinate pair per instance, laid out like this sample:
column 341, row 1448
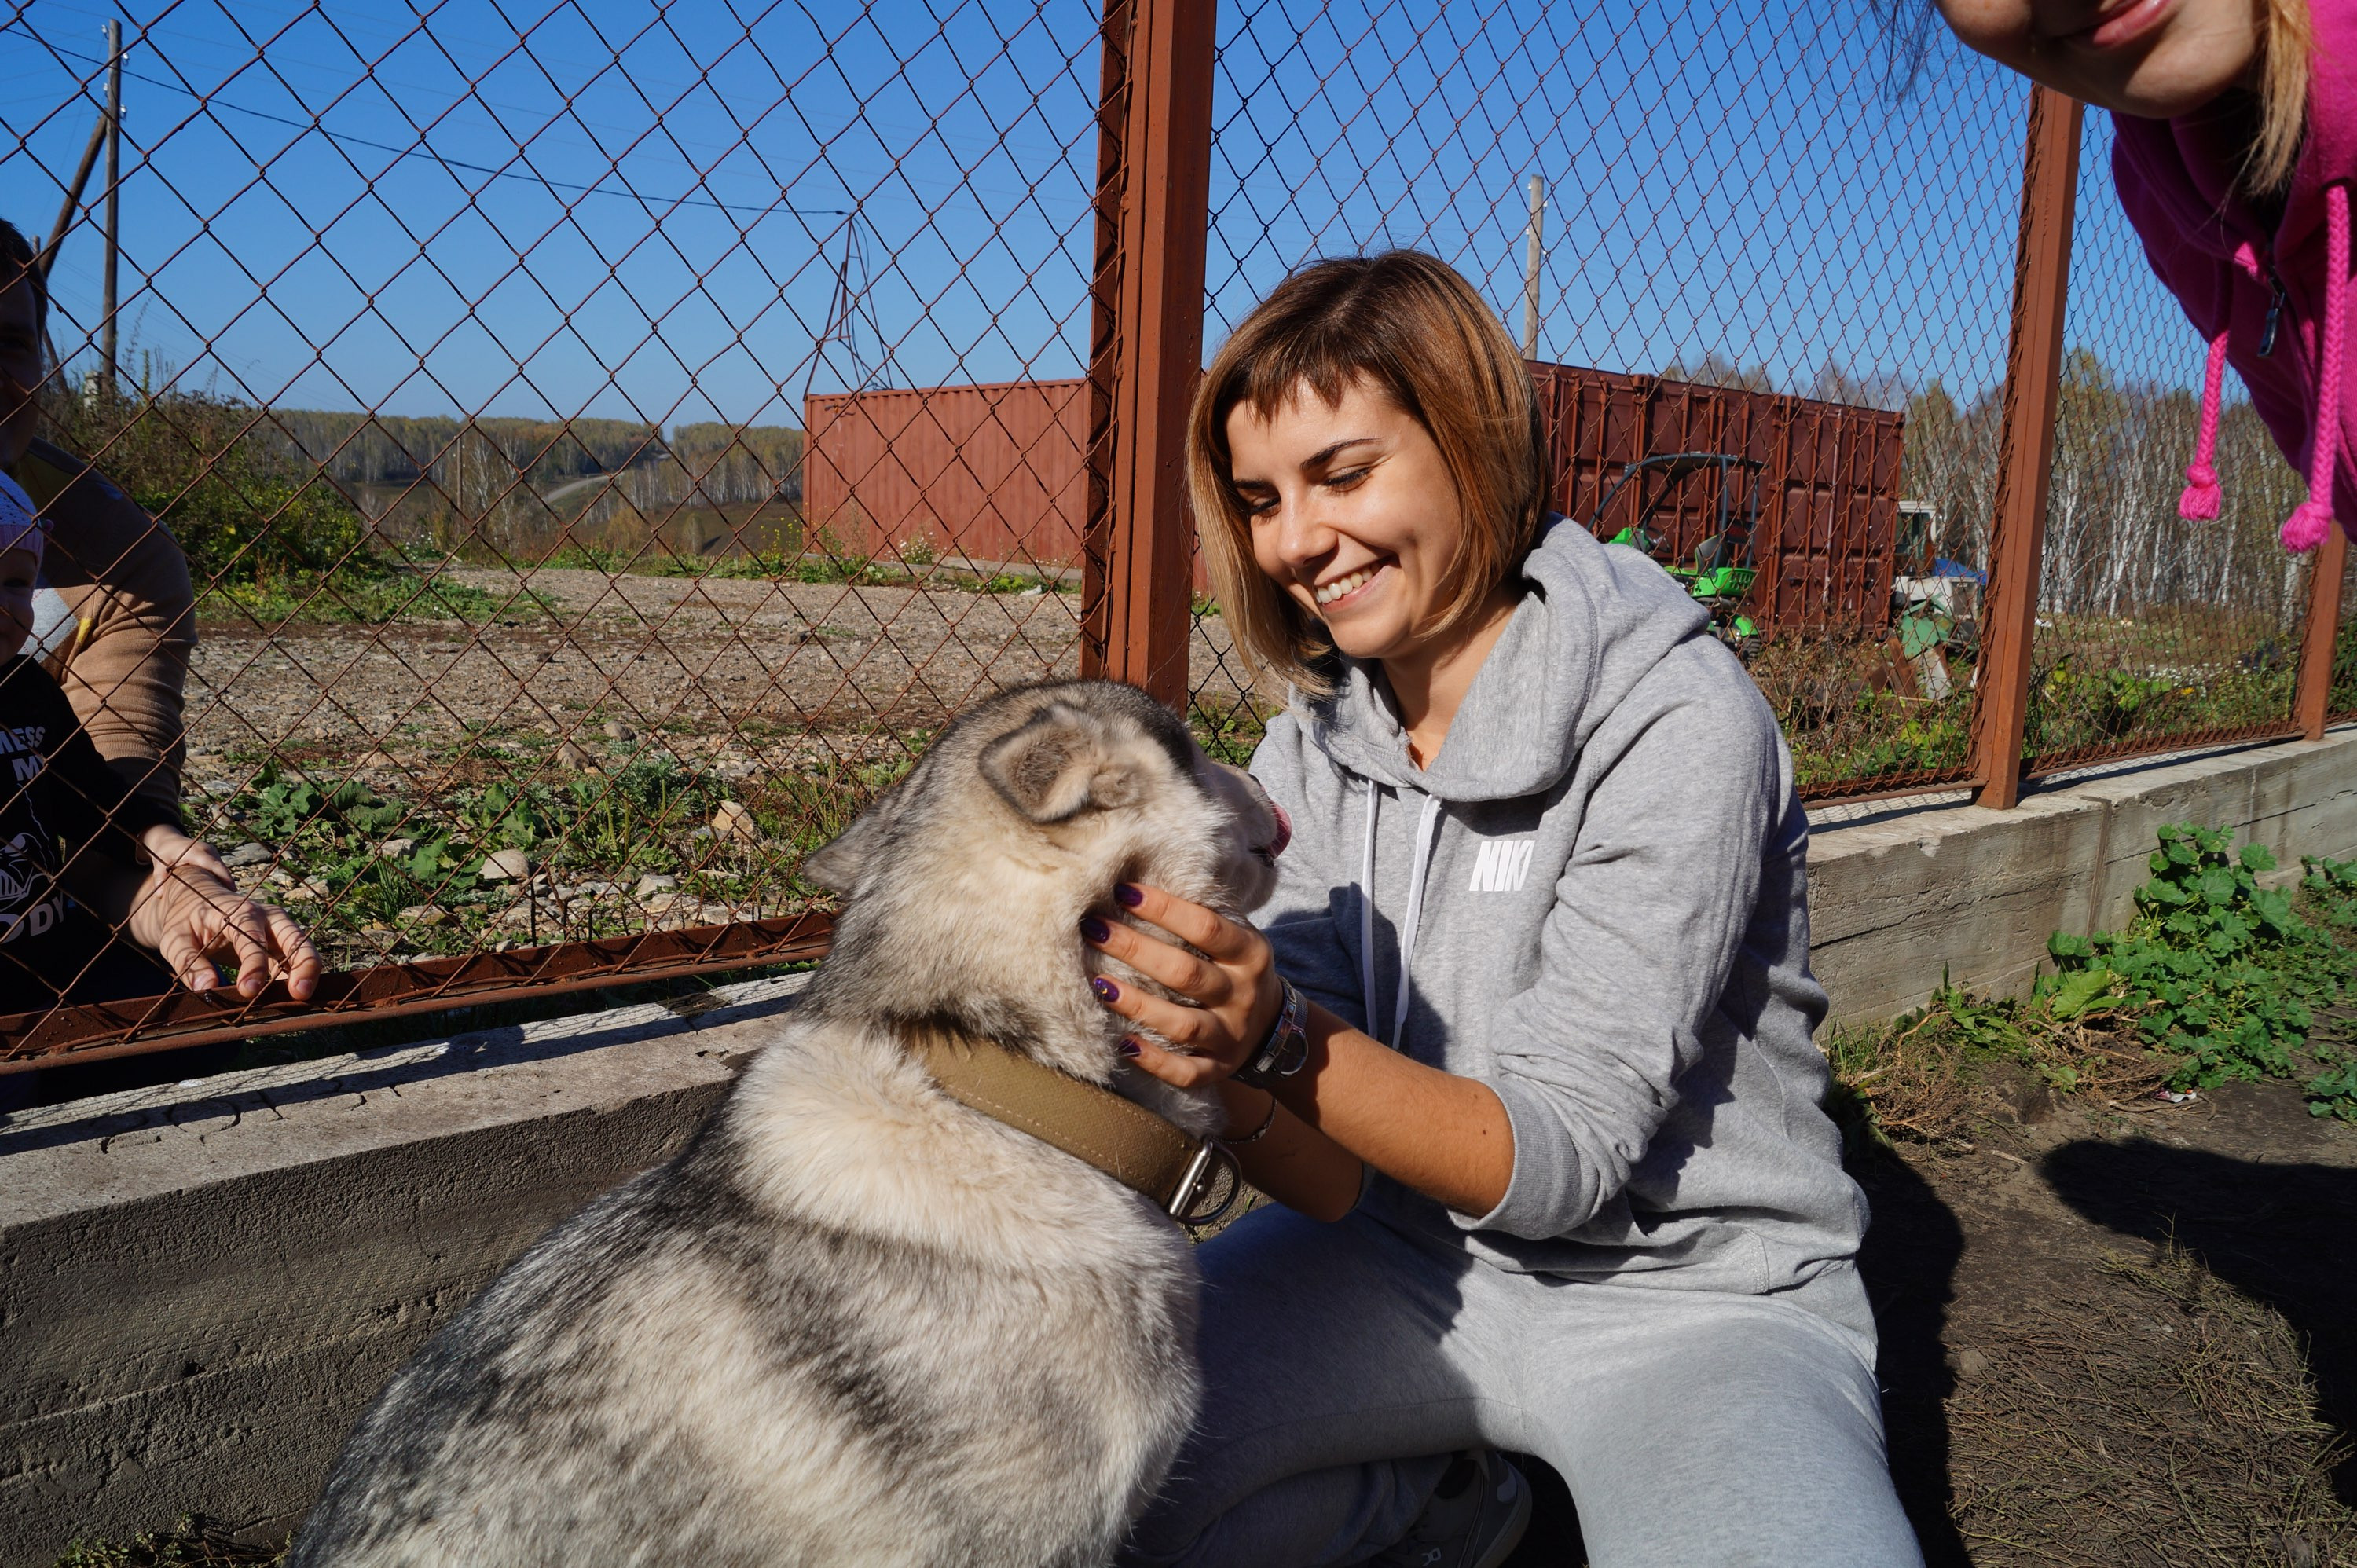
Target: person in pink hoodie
column 2235, row 143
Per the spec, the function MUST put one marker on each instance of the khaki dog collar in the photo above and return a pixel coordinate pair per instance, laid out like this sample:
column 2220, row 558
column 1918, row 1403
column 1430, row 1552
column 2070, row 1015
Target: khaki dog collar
column 1124, row 1140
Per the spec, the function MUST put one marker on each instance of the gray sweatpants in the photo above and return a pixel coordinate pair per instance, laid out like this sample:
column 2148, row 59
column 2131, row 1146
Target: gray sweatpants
column 1345, row 1362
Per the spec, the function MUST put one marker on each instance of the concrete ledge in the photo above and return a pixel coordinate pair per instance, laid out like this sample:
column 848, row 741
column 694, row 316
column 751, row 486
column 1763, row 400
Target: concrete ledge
column 1894, row 902
column 201, row 1286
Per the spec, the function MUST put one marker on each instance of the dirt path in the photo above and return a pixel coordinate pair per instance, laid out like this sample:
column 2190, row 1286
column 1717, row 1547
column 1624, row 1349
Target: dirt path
column 2114, row 1340
column 2126, row 1339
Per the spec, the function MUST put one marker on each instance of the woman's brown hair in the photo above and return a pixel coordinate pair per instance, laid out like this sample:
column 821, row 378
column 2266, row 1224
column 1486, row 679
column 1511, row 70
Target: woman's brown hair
column 1412, row 328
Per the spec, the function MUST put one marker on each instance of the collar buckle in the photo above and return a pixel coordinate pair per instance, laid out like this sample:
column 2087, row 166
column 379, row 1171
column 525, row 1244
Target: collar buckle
column 1209, row 1157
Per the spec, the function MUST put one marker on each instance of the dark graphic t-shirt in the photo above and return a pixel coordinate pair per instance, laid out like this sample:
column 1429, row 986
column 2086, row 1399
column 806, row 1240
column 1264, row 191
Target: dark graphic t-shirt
column 57, row 796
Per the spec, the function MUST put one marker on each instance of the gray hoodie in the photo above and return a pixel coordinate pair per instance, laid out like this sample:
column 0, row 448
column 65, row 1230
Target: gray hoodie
column 1601, row 886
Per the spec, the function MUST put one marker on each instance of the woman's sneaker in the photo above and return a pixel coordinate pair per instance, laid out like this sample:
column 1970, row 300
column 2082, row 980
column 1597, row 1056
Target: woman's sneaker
column 1475, row 1519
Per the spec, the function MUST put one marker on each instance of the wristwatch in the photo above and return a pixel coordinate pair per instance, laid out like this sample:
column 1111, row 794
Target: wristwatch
column 1288, row 1046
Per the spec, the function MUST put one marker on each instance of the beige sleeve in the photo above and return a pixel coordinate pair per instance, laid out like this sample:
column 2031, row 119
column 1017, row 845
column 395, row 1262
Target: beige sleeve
column 125, row 664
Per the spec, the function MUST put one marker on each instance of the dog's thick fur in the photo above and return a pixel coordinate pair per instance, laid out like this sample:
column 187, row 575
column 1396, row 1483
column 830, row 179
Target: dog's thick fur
column 856, row 1322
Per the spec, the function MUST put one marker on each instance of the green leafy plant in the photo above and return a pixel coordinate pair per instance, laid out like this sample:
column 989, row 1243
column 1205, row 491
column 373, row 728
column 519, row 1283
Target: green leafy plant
column 1930, row 1074
column 2219, row 972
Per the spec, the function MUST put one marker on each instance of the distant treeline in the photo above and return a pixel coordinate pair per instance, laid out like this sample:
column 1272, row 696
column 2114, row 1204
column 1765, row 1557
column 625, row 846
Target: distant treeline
column 734, row 463
column 729, row 463
column 2115, row 543
column 393, row 449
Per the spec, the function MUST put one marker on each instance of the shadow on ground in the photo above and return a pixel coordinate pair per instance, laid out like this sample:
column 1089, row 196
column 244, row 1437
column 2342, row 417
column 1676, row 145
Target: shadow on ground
column 2278, row 1233
column 1909, row 1263
column 2116, row 1338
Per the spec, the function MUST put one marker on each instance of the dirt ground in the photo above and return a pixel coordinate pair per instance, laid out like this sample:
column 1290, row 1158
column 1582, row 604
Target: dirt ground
column 2125, row 1339
column 719, row 666
column 767, row 693
column 2115, row 1338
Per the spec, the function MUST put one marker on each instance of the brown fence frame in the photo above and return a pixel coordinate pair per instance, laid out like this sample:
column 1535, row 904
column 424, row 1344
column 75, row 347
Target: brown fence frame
column 1154, row 126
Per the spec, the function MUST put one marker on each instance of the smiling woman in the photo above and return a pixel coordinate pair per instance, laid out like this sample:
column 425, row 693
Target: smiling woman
column 1435, row 407
column 1538, row 961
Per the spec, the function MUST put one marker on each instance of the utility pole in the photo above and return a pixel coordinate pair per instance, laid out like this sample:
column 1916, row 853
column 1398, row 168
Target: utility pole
column 1530, row 269
column 113, row 201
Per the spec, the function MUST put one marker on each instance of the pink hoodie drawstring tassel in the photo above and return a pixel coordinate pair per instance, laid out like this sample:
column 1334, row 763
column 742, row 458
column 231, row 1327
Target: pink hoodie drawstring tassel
column 2201, row 501
column 2305, row 529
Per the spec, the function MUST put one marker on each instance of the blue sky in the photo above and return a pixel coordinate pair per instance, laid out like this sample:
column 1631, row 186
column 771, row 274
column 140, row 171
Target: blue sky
column 635, row 212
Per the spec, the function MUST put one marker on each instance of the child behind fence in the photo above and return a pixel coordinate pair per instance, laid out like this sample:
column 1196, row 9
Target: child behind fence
column 92, row 874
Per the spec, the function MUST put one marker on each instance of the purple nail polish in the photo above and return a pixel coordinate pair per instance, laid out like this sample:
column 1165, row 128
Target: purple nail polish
column 1127, row 1047
column 1129, row 893
column 1095, row 930
column 1105, row 989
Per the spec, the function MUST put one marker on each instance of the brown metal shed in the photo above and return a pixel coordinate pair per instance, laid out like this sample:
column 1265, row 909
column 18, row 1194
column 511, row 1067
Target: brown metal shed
column 998, row 473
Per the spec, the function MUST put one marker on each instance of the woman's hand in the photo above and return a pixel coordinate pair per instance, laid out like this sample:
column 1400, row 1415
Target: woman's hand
column 192, row 918
column 1235, row 994
column 1233, row 986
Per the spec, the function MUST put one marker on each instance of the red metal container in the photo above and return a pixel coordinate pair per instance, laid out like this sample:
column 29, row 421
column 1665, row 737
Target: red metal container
column 992, row 472
column 1823, row 517
column 998, row 473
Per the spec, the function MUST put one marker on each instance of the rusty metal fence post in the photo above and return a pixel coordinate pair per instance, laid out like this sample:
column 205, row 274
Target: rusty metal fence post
column 2041, row 288
column 1146, row 339
column 2312, row 699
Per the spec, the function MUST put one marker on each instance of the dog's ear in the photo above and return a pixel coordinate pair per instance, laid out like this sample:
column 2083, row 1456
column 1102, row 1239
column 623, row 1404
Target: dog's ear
column 837, row 866
column 1063, row 762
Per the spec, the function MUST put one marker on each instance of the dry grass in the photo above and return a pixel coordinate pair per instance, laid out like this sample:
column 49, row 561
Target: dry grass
column 1934, row 1075
column 2171, row 1424
column 195, row 1542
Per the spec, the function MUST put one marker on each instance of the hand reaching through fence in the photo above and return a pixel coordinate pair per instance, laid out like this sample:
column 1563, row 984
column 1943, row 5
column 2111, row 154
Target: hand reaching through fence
column 186, row 908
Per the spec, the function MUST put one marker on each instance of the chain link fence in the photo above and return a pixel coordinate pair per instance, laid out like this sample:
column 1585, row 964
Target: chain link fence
column 2340, row 700
column 1758, row 261
column 470, row 364
column 2153, row 632
column 606, row 451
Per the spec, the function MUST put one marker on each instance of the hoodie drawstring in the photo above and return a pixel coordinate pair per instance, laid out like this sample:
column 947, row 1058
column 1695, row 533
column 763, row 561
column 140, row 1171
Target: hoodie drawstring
column 1427, row 828
column 2305, row 529
column 2199, row 501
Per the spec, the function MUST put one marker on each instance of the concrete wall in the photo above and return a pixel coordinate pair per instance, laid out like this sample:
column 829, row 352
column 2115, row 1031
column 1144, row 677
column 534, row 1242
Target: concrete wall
column 1894, row 901
column 201, row 1286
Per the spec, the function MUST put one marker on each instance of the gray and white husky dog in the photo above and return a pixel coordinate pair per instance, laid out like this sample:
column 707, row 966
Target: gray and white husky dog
column 853, row 1321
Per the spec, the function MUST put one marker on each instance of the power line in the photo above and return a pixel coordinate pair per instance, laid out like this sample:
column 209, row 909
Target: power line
column 429, row 154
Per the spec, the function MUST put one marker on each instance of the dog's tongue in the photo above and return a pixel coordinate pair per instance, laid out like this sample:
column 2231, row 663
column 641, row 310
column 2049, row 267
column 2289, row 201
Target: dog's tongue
column 1283, row 829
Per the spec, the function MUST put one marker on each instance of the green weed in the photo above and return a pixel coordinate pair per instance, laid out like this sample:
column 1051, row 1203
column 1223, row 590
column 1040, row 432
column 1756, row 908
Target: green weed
column 1930, row 1073
column 193, row 1542
column 368, row 592
column 2220, row 972
column 1229, row 734
column 2071, row 708
column 370, row 861
column 2217, row 978
column 822, row 566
